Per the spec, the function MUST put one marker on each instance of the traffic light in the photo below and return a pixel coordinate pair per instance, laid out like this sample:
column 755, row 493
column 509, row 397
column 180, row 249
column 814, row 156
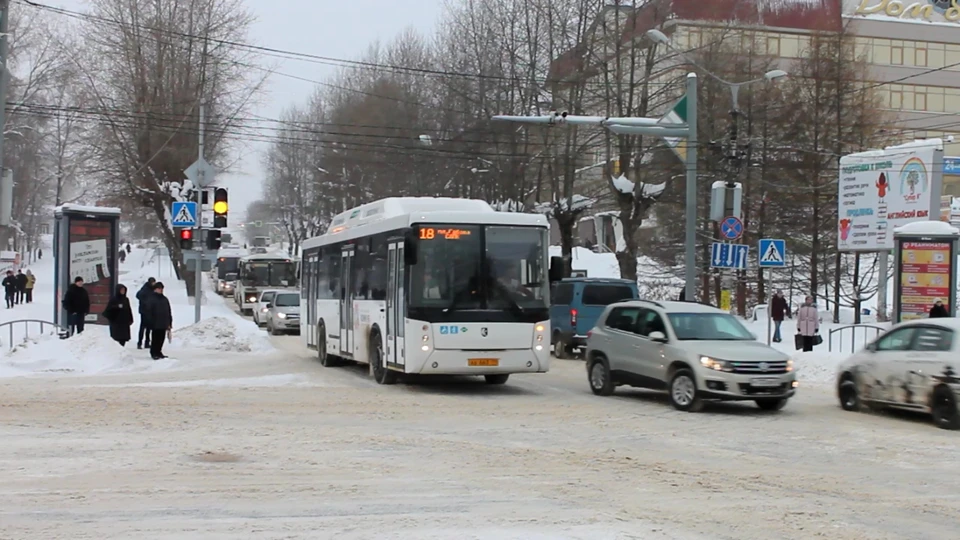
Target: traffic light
column 213, row 239
column 186, row 238
column 220, row 208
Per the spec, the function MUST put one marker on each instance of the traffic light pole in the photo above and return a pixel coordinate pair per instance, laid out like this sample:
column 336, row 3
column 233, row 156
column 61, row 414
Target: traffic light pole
column 198, row 240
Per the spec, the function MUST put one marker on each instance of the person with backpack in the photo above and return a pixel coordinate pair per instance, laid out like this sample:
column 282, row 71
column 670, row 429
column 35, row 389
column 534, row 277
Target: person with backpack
column 143, row 296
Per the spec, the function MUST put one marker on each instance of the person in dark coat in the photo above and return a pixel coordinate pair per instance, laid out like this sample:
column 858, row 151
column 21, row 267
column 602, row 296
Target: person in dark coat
column 10, row 288
column 76, row 302
column 143, row 295
column 778, row 310
column 160, row 318
column 938, row 310
column 21, row 286
column 120, row 315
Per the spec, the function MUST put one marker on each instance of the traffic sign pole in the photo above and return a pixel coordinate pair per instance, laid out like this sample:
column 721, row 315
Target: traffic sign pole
column 198, row 268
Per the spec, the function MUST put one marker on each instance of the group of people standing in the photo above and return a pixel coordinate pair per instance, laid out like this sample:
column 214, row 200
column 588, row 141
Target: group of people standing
column 156, row 317
column 18, row 288
column 808, row 321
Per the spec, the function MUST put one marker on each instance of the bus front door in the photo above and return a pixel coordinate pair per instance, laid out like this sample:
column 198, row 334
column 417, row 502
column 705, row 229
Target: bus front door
column 346, row 303
column 395, row 310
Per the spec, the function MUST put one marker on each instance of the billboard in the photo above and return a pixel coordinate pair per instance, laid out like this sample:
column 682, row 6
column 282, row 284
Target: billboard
column 85, row 245
column 916, row 11
column 880, row 190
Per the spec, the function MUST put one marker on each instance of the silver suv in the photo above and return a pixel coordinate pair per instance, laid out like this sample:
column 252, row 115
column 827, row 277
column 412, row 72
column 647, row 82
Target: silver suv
column 693, row 351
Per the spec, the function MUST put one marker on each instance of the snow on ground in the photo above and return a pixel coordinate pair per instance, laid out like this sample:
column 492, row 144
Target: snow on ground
column 221, row 330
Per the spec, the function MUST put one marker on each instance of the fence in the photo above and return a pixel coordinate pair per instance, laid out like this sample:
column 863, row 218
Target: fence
column 852, row 328
column 16, row 337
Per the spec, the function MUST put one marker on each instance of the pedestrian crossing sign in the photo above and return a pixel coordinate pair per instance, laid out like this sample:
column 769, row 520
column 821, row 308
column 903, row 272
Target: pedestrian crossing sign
column 773, row 253
column 184, row 214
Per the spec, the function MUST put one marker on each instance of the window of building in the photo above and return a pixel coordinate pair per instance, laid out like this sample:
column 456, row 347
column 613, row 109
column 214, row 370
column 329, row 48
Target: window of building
column 694, row 38
column 919, row 101
column 896, row 99
column 920, row 57
column 896, row 55
column 773, row 46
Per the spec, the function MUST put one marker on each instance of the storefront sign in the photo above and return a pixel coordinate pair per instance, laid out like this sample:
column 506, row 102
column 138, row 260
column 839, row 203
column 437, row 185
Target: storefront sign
column 951, row 165
column 881, row 190
column 925, row 10
column 925, row 268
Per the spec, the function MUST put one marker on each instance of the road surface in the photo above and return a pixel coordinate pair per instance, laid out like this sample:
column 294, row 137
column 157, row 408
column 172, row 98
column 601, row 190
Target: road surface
column 277, row 446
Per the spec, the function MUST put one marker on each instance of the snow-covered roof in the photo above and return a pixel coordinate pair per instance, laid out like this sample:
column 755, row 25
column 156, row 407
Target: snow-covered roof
column 936, row 144
column 927, row 228
column 87, row 209
column 399, row 206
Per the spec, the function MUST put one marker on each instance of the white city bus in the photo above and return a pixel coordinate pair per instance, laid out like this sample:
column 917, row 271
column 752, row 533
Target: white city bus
column 429, row 286
column 264, row 271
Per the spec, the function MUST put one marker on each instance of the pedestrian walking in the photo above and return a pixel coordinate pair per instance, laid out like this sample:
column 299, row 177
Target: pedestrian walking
column 31, row 281
column 160, row 320
column 938, row 310
column 143, row 296
column 76, row 302
column 21, row 286
column 39, row 254
column 808, row 324
column 123, row 256
column 9, row 288
column 778, row 310
column 128, row 249
column 120, row 315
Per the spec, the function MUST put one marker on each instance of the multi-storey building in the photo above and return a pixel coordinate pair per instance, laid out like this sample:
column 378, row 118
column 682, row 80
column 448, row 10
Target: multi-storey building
column 912, row 48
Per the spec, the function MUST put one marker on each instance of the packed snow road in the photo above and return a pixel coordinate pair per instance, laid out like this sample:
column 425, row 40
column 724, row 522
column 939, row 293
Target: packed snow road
column 276, row 446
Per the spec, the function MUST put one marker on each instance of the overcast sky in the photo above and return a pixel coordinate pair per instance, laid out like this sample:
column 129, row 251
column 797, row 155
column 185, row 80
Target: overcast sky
column 333, row 28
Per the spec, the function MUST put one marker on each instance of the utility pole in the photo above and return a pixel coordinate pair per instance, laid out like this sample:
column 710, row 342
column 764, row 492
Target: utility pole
column 4, row 25
column 198, row 241
column 690, row 258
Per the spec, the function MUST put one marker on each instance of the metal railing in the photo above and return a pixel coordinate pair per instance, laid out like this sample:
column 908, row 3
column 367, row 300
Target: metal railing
column 26, row 329
column 853, row 335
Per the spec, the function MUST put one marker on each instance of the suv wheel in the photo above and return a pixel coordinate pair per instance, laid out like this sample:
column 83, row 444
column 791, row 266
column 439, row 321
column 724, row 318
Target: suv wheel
column 560, row 348
column 772, row 404
column 601, row 381
column 944, row 409
column 683, row 391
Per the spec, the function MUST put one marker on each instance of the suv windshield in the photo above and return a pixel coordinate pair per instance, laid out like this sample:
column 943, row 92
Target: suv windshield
column 708, row 327
column 287, row 300
column 473, row 267
column 267, row 296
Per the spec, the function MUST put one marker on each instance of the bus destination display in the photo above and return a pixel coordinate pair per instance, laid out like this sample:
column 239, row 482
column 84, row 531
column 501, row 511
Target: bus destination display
column 431, row 233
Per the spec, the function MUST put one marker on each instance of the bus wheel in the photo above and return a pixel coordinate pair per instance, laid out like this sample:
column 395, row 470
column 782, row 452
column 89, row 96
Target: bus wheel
column 500, row 378
column 325, row 359
column 380, row 372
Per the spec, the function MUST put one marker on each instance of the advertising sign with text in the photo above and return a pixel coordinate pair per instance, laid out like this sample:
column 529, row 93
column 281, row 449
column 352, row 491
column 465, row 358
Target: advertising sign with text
column 882, row 190
column 925, row 272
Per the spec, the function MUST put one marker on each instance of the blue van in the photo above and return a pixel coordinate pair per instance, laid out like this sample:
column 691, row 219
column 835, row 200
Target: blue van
column 575, row 306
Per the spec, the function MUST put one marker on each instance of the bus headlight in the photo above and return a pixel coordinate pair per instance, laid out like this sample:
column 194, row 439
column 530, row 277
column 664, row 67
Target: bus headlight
column 539, row 332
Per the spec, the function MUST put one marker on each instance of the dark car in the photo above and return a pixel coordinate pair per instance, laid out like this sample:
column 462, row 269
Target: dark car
column 576, row 304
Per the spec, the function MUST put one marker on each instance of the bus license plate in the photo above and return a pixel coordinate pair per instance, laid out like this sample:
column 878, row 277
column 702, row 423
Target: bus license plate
column 483, row 362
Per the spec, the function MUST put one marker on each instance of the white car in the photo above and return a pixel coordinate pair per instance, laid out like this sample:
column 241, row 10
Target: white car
column 694, row 352
column 260, row 310
column 915, row 365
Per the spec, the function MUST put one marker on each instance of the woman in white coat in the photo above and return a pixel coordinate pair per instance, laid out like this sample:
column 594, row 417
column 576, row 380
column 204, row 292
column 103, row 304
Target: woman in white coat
column 808, row 323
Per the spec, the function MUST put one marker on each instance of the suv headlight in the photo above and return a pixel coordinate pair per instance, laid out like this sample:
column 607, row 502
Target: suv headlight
column 714, row 364
column 281, row 315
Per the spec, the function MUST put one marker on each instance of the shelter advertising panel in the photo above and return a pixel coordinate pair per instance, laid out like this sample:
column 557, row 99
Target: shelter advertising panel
column 880, row 190
column 926, row 269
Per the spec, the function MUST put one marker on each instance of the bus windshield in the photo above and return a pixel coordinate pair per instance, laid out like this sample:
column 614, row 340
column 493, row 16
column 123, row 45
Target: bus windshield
column 270, row 274
column 227, row 265
column 474, row 267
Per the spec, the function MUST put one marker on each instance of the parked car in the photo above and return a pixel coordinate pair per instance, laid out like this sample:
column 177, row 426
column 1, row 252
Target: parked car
column 261, row 308
column 915, row 365
column 694, row 352
column 283, row 313
column 575, row 305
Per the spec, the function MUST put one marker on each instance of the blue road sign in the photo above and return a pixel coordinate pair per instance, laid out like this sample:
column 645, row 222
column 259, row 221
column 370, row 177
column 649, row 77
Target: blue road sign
column 729, row 256
column 183, row 214
column 731, row 228
column 773, row 253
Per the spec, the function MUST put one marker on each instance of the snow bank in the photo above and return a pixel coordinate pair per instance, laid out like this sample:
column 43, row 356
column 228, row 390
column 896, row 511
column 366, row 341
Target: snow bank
column 89, row 353
column 222, row 334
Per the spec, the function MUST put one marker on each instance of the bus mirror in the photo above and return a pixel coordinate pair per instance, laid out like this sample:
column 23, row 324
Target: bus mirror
column 556, row 269
column 409, row 249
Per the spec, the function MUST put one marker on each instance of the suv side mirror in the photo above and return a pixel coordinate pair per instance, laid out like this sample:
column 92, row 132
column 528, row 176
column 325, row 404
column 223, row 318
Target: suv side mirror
column 269, row 305
column 659, row 337
column 872, row 347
